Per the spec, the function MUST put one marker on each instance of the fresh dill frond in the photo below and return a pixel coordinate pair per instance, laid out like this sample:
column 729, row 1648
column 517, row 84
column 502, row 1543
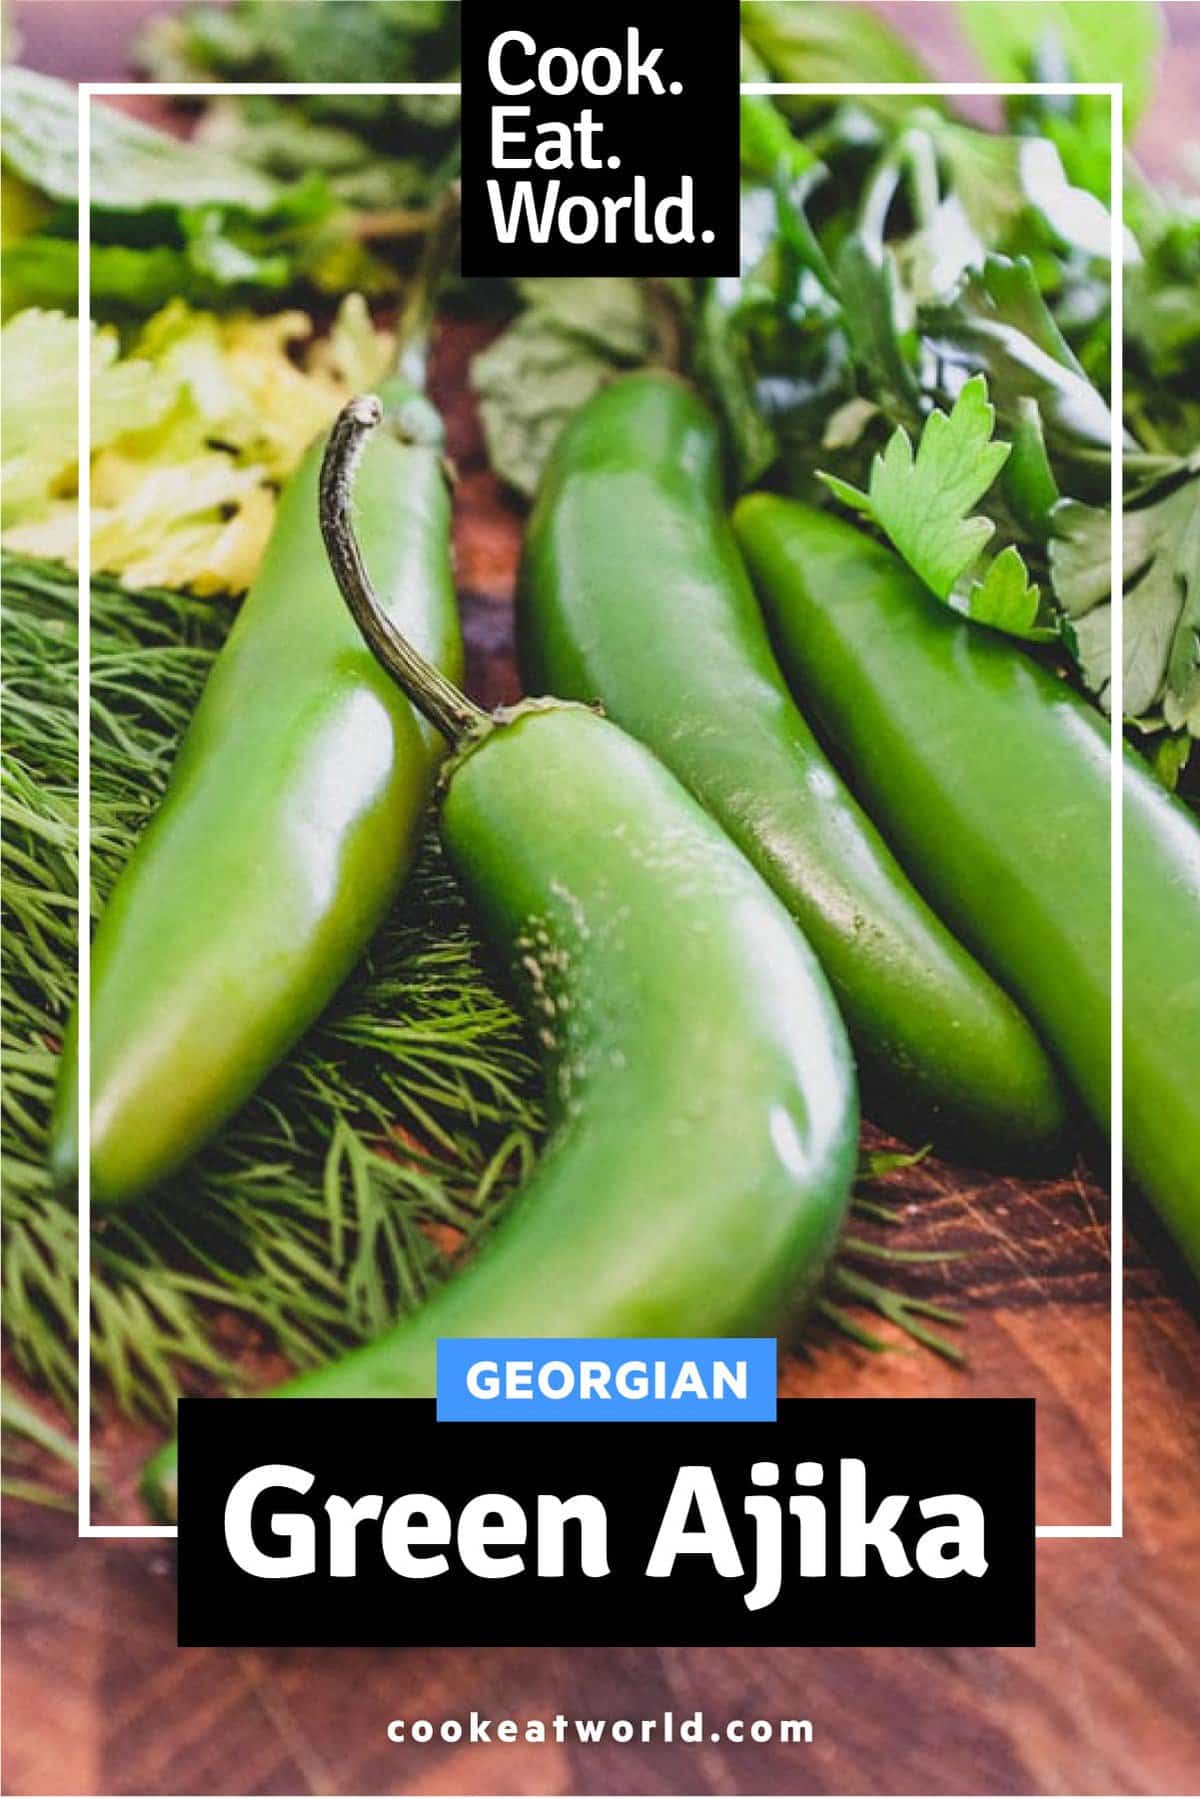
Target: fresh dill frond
column 340, row 1193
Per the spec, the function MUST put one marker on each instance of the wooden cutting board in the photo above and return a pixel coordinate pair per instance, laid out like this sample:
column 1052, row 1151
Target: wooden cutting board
column 100, row 1699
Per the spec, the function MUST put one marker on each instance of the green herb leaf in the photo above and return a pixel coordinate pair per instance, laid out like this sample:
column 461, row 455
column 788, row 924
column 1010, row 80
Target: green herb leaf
column 1169, row 756
column 768, row 147
column 724, row 363
column 284, row 138
column 983, row 170
column 1007, row 600
column 922, row 502
column 607, row 311
column 577, row 334
column 352, row 136
column 818, row 41
column 867, row 289
column 1161, row 608
column 529, row 382
column 168, row 217
column 1028, row 479
column 133, row 167
column 752, row 333
column 853, row 497
column 998, row 324
column 1162, row 305
column 43, row 272
column 322, row 40
column 1088, row 40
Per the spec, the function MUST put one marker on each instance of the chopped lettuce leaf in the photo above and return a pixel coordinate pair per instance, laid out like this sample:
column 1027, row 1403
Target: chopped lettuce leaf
column 359, row 353
column 193, row 430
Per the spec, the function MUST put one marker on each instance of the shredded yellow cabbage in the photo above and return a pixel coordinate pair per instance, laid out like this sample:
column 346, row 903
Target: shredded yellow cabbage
column 193, row 429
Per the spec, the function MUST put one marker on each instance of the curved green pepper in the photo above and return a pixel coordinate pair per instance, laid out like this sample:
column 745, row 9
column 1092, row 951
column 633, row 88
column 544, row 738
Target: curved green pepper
column 700, row 1087
column 633, row 593
column 992, row 779
column 292, row 815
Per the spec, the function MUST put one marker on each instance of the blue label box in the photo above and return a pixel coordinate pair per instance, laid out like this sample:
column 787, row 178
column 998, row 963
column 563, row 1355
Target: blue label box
column 657, row 1380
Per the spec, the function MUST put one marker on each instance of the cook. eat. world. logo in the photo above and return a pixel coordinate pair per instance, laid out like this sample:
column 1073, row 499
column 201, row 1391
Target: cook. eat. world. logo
column 600, row 143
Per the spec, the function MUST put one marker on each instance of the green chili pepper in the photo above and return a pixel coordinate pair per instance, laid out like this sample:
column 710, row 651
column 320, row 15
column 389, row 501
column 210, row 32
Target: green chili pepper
column 292, row 814
column 633, row 593
column 700, row 1087
column 992, row 779
column 293, row 811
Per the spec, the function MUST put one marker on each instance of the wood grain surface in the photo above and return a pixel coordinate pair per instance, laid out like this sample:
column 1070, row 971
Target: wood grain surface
column 99, row 1699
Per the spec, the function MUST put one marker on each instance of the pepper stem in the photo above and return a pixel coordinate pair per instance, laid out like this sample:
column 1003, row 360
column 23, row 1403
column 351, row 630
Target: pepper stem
column 414, row 327
column 437, row 699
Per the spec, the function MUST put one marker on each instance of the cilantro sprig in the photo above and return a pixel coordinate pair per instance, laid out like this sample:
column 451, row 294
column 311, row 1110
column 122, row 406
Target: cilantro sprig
column 922, row 501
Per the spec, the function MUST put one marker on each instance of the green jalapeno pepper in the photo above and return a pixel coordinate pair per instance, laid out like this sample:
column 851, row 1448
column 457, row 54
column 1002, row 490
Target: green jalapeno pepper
column 633, row 593
column 292, row 815
column 700, row 1088
column 992, row 779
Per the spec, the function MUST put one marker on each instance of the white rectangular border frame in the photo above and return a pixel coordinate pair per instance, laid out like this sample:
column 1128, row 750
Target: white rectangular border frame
column 848, row 90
